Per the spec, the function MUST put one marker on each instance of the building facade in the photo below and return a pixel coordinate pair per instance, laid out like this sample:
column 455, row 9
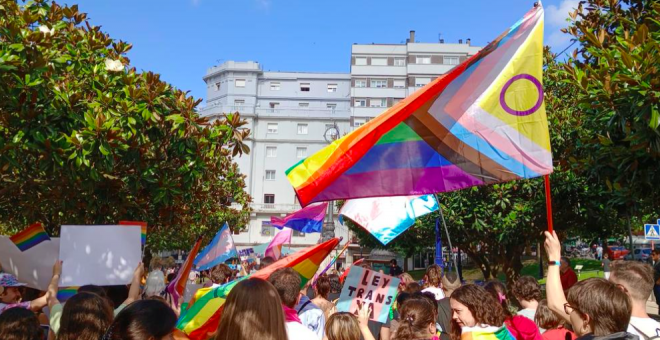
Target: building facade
column 293, row 115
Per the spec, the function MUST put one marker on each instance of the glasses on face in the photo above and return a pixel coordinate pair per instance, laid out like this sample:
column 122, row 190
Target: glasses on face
column 568, row 309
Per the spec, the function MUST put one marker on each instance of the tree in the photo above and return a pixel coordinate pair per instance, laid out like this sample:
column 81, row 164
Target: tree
column 84, row 139
column 616, row 73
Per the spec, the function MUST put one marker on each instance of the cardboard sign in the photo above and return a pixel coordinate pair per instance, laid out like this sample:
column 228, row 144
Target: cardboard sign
column 33, row 267
column 364, row 286
column 103, row 255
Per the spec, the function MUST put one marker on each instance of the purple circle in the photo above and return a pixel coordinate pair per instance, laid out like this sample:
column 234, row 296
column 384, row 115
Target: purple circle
column 536, row 106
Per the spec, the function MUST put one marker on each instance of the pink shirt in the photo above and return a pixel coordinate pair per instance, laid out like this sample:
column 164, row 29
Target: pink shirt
column 523, row 328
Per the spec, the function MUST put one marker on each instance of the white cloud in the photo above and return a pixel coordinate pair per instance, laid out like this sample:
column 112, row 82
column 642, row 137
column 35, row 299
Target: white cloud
column 556, row 16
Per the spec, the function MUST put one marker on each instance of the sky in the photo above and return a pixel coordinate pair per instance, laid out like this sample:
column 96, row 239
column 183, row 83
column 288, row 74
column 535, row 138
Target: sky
column 181, row 39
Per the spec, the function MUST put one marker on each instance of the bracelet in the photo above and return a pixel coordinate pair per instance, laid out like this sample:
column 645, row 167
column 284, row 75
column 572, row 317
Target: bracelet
column 554, row 263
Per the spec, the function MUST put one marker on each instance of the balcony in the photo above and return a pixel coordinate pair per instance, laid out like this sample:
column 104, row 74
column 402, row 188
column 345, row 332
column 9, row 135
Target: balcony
column 302, row 112
column 279, row 208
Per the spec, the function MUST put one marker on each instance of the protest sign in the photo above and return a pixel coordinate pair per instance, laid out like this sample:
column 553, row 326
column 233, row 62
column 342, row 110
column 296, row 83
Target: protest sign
column 377, row 290
column 34, row 267
column 103, row 255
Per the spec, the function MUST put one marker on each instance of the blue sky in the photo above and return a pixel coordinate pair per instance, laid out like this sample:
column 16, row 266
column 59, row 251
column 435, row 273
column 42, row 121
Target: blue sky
column 180, row 39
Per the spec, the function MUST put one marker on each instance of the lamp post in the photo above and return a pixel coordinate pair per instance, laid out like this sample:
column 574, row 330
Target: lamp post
column 328, row 232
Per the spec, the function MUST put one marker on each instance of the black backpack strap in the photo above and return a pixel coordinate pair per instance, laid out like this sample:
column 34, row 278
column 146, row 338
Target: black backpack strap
column 304, row 305
column 646, row 337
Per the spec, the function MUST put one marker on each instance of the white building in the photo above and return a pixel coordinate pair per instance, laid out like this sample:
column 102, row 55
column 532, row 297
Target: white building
column 293, row 115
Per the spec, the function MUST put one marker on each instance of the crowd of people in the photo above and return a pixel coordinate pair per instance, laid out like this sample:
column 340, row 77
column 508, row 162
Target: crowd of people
column 438, row 307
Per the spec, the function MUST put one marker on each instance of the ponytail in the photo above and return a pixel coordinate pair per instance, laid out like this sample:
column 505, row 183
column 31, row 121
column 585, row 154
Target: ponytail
column 416, row 316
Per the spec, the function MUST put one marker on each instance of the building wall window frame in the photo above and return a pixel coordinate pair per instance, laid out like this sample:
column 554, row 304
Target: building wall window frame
column 379, row 83
column 332, row 87
column 422, row 59
column 217, row 86
column 360, row 102
column 399, row 83
column 239, row 83
column 303, row 104
column 271, row 151
column 303, row 129
column 378, row 102
column 301, row 152
column 270, row 175
column 357, row 122
column 269, row 198
column 378, row 61
column 272, row 128
column 451, row 60
column 360, row 61
column 400, row 61
column 420, row 81
column 305, row 87
column 275, row 86
column 360, row 83
column 267, row 229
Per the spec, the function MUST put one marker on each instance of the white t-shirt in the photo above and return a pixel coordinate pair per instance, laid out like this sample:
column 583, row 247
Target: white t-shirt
column 439, row 294
column 298, row 331
column 648, row 326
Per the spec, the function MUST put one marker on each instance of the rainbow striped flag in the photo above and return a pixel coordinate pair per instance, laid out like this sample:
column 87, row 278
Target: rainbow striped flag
column 178, row 285
column 306, row 220
column 64, row 293
column 143, row 228
column 30, row 237
column 483, row 122
column 203, row 316
column 486, row 333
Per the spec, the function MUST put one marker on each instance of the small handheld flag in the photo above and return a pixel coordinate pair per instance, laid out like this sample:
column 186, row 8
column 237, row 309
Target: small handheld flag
column 30, row 237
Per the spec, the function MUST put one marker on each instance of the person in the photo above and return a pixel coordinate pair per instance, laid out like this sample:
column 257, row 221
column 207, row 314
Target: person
column 655, row 263
column 346, row 326
column 417, row 319
column 599, row 252
column 568, row 276
column 413, row 287
column 475, row 310
column 321, row 291
column 265, row 262
column 554, row 327
column 220, row 275
column 528, row 293
column 433, row 281
column 595, row 308
column 405, row 280
column 253, row 310
column 19, row 323
column 85, row 316
column 11, row 296
column 143, row 320
column 605, row 264
column 155, row 285
column 287, row 283
column 335, row 287
column 520, row 326
column 57, row 308
column 395, row 319
column 637, row 279
column 395, row 270
column 450, row 282
column 310, row 314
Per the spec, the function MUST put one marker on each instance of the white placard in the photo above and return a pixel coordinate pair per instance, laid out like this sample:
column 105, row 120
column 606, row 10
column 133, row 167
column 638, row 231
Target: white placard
column 189, row 292
column 103, row 255
column 33, row 267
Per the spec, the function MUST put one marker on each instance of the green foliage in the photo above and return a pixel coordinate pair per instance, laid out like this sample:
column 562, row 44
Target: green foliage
column 85, row 139
column 616, row 74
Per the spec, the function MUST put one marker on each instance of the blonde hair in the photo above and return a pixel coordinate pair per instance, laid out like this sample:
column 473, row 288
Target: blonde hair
column 342, row 326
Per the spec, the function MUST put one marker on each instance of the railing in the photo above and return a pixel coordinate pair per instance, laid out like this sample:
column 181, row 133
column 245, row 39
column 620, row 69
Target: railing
column 295, row 111
column 288, row 208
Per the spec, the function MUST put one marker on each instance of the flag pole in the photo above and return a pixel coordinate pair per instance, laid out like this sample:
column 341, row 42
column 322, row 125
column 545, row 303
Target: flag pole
column 548, row 202
column 451, row 248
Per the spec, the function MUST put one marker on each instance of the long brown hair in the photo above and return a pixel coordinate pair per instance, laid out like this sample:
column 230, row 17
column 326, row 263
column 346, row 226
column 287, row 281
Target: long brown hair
column 253, row 311
column 342, row 326
column 433, row 277
column 483, row 306
column 85, row 316
column 417, row 314
column 19, row 324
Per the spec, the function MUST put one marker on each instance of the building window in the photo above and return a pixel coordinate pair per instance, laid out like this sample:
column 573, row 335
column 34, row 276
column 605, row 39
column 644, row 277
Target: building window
column 399, row 61
column 269, row 199
column 298, row 233
column 240, row 83
column 273, row 105
column 399, row 83
column 270, row 175
column 271, row 151
column 379, row 61
column 301, row 152
column 331, row 106
column 422, row 81
column 360, row 61
column 274, row 86
column 361, row 102
column 303, row 104
column 272, row 127
column 304, row 87
column 267, row 229
column 378, row 102
column 396, row 100
column 332, row 87
column 451, row 60
column 422, row 60
column 217, row 86
column 302, row 129
column 379, row 83
column 239, row 102
column 360, row 83
column 359, row 122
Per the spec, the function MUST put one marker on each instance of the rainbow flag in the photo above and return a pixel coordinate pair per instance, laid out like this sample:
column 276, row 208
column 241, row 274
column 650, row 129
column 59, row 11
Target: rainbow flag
column 483, row 122
column 306, row 220
column 203, row 315
column 178, row 285
column 143, row 227
column 64, row 293
column 30, row 237
column 387, row 217
column 486, row 333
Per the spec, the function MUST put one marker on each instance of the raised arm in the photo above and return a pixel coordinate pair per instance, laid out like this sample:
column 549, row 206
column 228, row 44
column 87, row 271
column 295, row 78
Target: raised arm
column 134, row 291
column 553, row 288
column 50, row 298
column 363, row 318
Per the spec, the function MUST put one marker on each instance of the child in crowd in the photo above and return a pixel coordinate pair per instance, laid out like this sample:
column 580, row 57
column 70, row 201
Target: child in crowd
column 521, row 327
column 554, row 327
column 478, row 312
column 433, row 281
column 528, row 293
